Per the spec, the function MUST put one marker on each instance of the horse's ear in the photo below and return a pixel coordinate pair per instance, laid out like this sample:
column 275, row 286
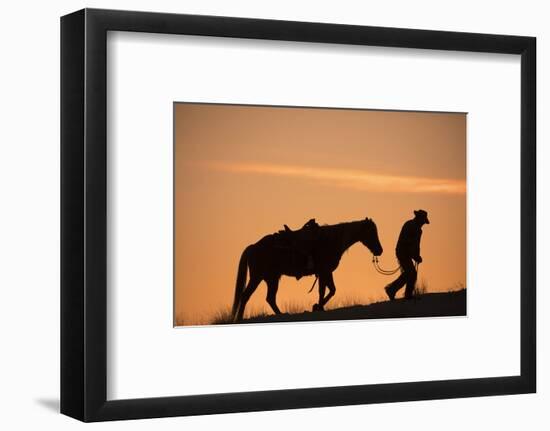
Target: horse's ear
column 368, row 219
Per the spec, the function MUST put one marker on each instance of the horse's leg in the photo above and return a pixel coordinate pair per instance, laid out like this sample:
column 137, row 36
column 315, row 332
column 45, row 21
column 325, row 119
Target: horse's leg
column 322, row 287
column 331, row 288
column 247, row 293
column 272, row 287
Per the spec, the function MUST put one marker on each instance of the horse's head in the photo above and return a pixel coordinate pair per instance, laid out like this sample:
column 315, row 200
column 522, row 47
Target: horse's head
column 369, row 237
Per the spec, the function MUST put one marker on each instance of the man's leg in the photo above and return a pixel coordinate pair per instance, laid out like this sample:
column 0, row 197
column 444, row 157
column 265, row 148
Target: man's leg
column 410, row 274
column 394, row 286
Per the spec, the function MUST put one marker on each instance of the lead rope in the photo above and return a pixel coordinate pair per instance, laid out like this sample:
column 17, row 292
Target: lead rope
column 313, row 285
column 376, row 266
column 383, row 271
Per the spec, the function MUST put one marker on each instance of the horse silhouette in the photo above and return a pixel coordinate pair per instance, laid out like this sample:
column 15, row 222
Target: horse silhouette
column 272, row 256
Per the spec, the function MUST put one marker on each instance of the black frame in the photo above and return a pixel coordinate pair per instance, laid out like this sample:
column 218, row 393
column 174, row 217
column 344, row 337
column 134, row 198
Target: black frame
column 84, row 214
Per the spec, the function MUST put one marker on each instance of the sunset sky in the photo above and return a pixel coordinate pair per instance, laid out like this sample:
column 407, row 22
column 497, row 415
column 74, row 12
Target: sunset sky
column 242, row 172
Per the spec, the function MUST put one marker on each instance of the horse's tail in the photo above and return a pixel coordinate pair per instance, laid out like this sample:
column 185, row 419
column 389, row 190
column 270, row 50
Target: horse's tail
column 241, row 280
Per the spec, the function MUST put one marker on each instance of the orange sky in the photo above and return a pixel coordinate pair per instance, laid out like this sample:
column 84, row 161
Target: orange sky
column 242, row 172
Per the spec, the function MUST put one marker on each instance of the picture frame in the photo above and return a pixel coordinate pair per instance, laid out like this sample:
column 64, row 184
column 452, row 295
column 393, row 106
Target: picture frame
column 84, row 243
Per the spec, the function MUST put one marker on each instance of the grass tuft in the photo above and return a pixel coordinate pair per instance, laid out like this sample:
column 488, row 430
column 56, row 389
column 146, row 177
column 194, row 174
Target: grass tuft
column 222, row 317
column 421, row 288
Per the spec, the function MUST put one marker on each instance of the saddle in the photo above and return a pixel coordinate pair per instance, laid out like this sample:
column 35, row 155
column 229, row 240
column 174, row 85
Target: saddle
column 308, row 233
column 300, row 244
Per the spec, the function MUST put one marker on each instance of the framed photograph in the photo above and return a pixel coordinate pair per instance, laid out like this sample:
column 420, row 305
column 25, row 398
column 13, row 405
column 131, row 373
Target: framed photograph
column 224, row 170
column 262, row 215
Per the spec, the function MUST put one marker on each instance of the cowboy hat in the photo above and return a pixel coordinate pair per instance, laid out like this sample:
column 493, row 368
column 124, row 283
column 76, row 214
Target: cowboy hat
column 421, row 214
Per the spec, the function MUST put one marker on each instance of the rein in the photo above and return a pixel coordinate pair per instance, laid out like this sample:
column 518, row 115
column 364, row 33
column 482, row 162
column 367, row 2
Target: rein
column 380, row 270
column 313, row 285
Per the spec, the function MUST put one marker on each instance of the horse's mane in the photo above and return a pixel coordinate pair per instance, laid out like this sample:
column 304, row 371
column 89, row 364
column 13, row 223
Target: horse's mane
column 345, row 224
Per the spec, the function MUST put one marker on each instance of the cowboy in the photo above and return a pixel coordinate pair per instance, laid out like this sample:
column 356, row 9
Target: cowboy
column 408, row 252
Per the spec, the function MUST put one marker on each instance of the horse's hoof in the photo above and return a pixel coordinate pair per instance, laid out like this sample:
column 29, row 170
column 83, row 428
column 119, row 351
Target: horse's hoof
column 317, row 307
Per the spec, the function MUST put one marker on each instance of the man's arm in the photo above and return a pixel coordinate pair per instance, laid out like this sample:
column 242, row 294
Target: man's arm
column 416, row 246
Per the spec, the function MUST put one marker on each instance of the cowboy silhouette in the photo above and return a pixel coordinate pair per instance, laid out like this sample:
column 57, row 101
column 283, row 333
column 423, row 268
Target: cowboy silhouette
column 408, row 252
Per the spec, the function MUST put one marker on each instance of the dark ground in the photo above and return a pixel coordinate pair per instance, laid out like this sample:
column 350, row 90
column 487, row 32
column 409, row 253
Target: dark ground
column 427, row 305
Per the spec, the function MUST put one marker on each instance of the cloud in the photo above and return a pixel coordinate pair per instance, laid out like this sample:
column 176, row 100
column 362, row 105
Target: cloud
column 347, row 178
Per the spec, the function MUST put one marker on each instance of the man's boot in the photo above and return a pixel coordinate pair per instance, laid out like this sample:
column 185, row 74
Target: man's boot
column 390, row 291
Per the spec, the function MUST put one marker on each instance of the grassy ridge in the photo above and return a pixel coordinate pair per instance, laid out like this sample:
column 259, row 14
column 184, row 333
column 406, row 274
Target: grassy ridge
column 424, row 305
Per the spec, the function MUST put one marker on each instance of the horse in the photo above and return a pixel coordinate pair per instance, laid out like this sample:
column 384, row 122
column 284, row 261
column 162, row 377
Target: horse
column 267, row 260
